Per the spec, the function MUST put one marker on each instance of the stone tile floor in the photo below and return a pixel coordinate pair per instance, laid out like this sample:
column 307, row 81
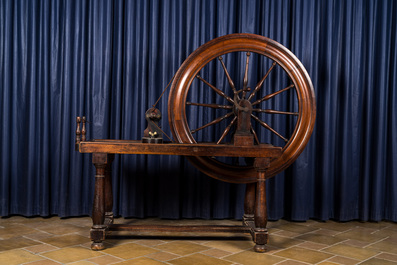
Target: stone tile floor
column 48, row 241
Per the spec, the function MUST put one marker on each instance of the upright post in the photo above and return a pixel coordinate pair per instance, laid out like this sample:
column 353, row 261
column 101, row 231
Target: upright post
column 260, row 218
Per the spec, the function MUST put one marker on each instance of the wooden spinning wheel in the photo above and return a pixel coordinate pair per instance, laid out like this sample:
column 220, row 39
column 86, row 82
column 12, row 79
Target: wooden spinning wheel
column 216, row 49
column 237, row 108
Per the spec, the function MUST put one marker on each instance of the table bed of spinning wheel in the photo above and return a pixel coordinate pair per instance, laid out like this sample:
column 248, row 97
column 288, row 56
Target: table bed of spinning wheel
column 103, row 154
column 263, row 160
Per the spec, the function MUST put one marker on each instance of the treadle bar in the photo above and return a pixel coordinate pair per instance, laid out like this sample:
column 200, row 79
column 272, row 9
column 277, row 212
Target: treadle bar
column 248, row 227
column 182, row 228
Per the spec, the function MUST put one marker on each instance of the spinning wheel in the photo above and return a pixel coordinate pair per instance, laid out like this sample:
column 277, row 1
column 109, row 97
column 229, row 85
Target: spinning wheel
column 235, row 112
column 243, row 102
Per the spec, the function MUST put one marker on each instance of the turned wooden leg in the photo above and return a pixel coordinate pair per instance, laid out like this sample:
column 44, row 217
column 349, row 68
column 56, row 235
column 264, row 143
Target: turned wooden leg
column 98, row 230
column 260, row 217
column 249, row 203
column 109, row 192
column 260, row 214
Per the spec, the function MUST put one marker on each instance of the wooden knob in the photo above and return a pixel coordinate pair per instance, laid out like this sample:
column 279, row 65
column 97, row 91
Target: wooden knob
column 83, row 130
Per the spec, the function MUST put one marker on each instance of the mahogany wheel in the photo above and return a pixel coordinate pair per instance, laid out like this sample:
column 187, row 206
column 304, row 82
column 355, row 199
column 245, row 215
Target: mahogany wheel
column 248, row 44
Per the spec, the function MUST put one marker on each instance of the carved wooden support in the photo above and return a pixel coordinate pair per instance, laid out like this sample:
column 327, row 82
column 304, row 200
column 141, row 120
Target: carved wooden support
column 260, row 216
column 109, row 192
column 83, row 130
column 78, row 132
column 243, row 135
column 102, row 162
column 249, row 203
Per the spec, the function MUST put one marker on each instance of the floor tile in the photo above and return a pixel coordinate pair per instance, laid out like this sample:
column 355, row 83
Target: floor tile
column 325, row 232
column 17, row 256
column 275, row 224
column 78, row 221
column 282, row 242
column 71, row 254
column 270, row 249
column 15, row 230
column 66, row 240
column 326, row 240
column 356, row 243
column 386, row 245
column 336, row 226
column 40, row 248
column 105, row 260
column 305, row 255
column 291, row 262
column 360, row 234
column 149, row 242
column 344, row 260
column 351, row 252
column 140, row 261
column 44, row 262
column 163, row 256
column 312, row 245
column 232, row 246
column 82, row 262
column 297, row 228
column 387, row 256
column 375, row 261
column 347, row 243
column 253, row 258
column 387, row 232
column 199, row 259
column 286, row 233
column 372, row 225
column 16, row 242
column 391, row 225
column 216, row 253
column 39, row 235
column 61, row 229
column 119, row 240
column 129, row 251
column 182, row 247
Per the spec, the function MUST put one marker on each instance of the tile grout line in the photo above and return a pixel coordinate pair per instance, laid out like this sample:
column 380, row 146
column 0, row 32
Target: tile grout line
column 380, row 240
column 382, row 252
column 334, row 256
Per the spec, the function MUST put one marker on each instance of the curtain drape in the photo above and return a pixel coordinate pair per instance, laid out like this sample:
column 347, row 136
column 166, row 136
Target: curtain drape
column 110, row 61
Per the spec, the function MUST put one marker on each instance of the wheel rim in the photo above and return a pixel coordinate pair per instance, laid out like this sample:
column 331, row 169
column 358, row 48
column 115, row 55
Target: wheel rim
column 242, row 43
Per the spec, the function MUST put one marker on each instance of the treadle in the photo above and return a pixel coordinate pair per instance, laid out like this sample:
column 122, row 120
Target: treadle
column 181, row 228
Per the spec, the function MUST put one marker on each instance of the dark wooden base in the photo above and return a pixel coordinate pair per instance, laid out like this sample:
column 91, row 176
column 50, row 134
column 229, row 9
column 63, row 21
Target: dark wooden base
column 254, row 219
column 259, row 236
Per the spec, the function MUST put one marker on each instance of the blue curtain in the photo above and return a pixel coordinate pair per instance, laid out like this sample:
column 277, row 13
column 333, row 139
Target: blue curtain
column 110, row 60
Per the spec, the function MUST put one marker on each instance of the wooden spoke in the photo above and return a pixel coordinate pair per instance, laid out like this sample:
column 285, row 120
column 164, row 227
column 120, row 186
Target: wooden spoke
column 255, row 135
column 214, row 106
column 228, row 76
column 267, row 97
column 270, row 111
column 260, row 83
column 226, row 131
column 245, row 82
column 264, row 124
column 218, row 91
column 213, row 122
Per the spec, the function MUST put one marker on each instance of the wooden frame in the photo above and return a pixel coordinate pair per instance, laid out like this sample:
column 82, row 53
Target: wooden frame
column 268, row 160
column 103, row 151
